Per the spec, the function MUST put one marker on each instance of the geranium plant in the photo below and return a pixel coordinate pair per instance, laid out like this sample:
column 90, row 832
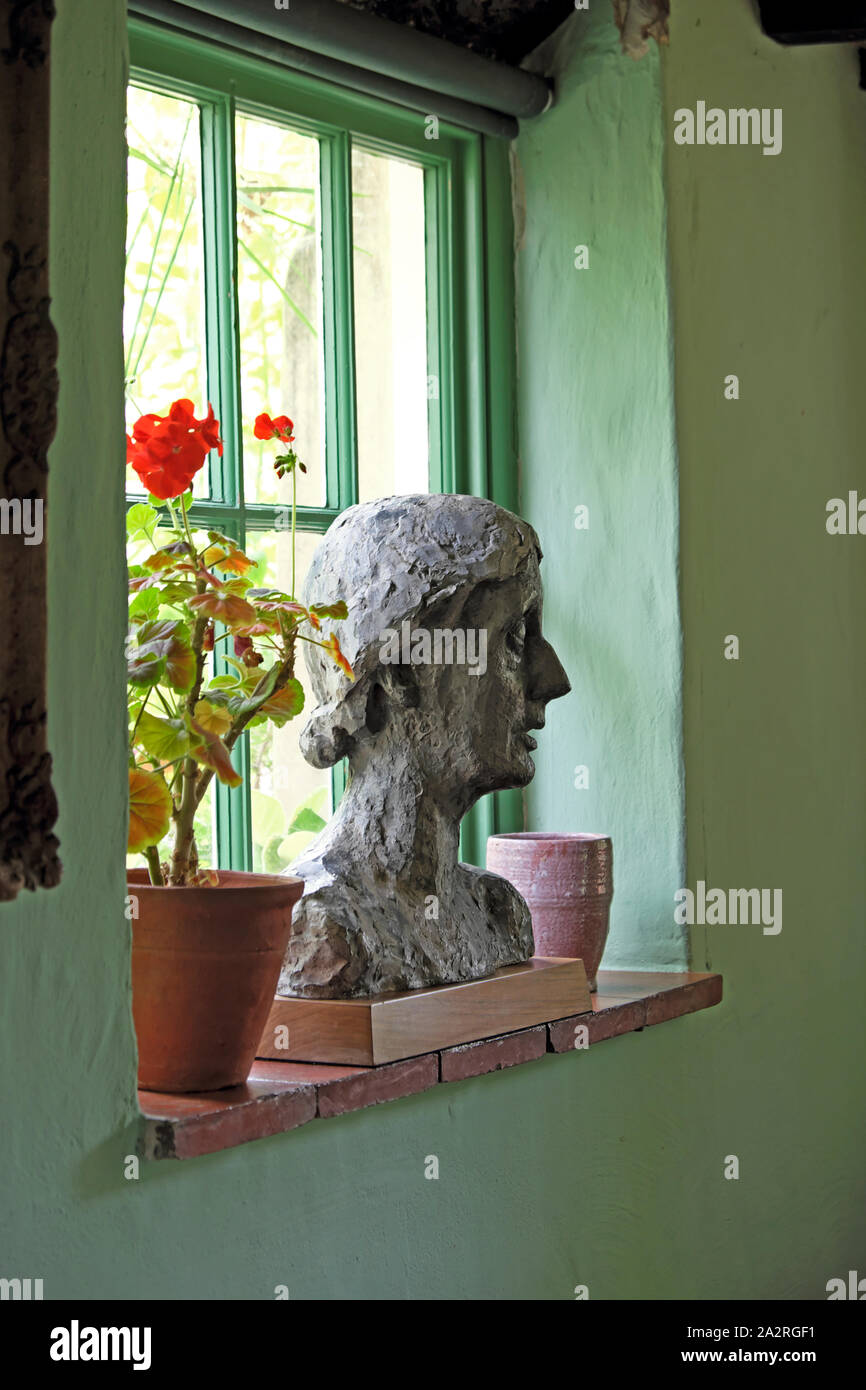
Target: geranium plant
column 192, row 593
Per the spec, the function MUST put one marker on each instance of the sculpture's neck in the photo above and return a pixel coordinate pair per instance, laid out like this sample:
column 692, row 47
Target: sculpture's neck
column 409, row 836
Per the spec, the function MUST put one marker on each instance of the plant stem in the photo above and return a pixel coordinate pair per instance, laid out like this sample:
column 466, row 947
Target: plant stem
column 186, row 528
column 294, row 513
column 138, row 716
column 287, row 670
column 185, row 814
column 164, row 702
column 151, row 854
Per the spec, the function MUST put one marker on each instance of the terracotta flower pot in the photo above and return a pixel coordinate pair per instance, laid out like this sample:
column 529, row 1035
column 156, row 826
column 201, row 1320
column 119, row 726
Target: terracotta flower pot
column 567, row 880
column 205, row 966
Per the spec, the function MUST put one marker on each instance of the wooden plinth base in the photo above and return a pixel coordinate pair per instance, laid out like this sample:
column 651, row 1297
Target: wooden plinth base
column 390, row 1027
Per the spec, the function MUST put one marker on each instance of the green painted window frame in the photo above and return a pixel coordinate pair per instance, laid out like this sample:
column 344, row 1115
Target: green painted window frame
column 470, row 296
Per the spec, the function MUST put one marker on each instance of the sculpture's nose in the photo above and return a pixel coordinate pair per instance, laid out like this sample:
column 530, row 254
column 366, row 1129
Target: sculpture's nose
column 547, row 678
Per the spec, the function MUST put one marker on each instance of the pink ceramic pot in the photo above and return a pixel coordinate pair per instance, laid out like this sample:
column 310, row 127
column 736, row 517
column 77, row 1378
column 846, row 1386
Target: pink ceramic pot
column 567, row 880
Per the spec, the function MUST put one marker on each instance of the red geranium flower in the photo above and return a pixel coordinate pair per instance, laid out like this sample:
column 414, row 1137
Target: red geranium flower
column 279, row 428
column 167, row 451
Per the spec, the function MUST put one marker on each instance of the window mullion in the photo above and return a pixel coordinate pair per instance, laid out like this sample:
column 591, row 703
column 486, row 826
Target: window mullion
column 267, row 517
column 341, row 458
column 220, row 312
column 233, row 812
column 474, row 375
column 440, row 358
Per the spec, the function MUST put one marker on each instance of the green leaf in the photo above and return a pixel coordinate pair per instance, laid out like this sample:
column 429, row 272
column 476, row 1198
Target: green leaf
column 145, row 668
column 139, row 154
column 209, row 749
column 176, row 591
column 330, row 610
column 164, row 739
column 286, row 704
column 168, row 642
column 249, row 703
column 291, row 303
column 273, row 859
column 305, row 819
column 141, row 520
column 293, row 845
column 312, row 806
column 269, row 818
column 145, row 604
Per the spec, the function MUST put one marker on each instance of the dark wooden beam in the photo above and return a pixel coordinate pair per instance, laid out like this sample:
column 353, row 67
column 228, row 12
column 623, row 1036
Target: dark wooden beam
column 814, row 21
column 28, row 403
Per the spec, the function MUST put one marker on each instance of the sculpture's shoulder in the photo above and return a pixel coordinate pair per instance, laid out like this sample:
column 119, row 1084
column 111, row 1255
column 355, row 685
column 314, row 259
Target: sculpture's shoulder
column 326, row 954
column 350, row 938
column 500, row 901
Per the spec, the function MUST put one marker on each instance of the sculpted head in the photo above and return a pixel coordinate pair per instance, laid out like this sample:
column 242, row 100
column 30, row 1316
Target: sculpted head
column 444, row 634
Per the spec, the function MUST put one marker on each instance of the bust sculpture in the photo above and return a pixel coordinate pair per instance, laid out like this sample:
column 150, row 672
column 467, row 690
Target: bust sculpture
column 452, row 672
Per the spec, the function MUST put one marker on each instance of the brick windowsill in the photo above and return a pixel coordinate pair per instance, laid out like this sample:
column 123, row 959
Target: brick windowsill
column 280, row 1096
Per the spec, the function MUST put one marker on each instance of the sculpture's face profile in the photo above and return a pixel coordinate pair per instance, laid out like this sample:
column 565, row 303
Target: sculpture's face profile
column 486, row 713
column 460, row 575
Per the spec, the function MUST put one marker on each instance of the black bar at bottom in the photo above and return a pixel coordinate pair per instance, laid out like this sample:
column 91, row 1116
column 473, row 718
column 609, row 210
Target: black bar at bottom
column 85, row 1337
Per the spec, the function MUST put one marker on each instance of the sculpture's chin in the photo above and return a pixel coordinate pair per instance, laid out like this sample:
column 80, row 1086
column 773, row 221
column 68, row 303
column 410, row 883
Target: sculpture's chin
column 518, row 771
column 524, row 771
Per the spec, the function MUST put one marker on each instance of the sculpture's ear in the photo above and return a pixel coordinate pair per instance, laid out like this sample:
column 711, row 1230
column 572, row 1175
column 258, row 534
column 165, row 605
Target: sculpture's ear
column 336, row 728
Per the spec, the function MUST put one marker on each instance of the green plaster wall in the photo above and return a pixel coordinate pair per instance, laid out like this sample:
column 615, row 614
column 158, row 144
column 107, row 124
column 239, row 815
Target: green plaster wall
column 603, row 1169
column 768, row 282
column 595, row 397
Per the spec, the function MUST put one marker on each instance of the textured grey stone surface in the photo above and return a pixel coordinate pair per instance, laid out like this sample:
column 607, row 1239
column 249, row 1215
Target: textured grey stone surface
column 386, row 905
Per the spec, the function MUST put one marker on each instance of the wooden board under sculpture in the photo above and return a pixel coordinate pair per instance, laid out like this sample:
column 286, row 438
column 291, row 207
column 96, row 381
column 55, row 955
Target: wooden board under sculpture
column 452, row 675
column 389, row 1027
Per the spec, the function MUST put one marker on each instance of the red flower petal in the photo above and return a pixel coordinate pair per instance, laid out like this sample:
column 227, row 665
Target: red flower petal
column 182, row 412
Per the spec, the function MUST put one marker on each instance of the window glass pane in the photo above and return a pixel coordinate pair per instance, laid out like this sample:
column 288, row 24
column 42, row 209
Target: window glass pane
column 390, row 325
column 280, row 299
column 282, row 785
column 163, row 315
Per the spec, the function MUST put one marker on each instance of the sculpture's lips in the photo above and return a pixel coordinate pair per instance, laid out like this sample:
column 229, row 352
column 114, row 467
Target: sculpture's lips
column 536, row 721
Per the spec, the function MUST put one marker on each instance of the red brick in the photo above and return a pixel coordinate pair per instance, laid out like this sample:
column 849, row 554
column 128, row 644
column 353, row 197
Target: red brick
column 700, row 993
column 372, row 1086
column 608, row 1021
column 624, row 1017
column 188, row 1126
column 493, row 1054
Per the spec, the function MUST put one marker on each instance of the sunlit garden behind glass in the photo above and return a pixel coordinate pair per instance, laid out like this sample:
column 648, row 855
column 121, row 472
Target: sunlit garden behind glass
column 279, row 368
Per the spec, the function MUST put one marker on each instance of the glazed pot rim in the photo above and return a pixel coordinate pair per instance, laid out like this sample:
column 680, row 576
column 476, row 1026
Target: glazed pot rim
column 240, row 881
column 563, row 837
